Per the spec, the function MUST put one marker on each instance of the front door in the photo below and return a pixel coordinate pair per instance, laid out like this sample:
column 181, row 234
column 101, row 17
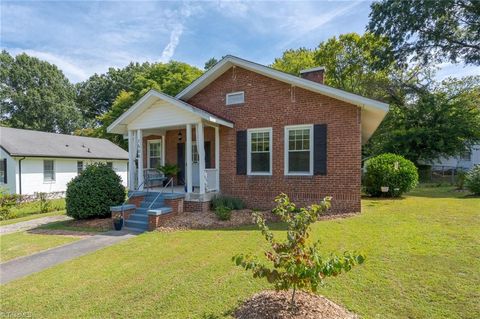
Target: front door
column 195, row 162
column 181, row 163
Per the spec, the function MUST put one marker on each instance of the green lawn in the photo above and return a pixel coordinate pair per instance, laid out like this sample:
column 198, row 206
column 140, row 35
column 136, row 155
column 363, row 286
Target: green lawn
column 31, row 210
column 422, row 262
column 23, row 243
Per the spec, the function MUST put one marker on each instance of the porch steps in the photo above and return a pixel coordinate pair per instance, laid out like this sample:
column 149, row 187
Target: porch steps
column 138, row 221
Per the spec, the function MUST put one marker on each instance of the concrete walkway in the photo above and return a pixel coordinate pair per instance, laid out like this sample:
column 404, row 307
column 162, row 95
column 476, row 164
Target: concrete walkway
column 23, row 266
column 30, row 224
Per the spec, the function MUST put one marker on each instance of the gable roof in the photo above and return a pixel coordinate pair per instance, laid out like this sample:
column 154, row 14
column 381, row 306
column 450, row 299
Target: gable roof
column 18, row 142
column 145, row 101
column 373, row 111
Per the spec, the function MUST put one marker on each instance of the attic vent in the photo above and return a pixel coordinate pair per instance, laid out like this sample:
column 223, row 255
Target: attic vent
column 235, row 98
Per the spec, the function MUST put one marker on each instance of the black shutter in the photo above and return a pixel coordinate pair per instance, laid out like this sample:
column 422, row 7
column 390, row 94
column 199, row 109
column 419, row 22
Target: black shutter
column 241, row 152
column 320, row 149
column 4, row 170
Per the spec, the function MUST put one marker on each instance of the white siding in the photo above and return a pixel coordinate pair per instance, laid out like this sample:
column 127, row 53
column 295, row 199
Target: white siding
column 10, row 186
column 459, row 162
column 65, row 170
column 162, row 115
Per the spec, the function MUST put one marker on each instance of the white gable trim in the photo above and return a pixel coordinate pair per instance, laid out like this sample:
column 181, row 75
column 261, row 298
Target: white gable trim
column 229, row 61
column 143, row 103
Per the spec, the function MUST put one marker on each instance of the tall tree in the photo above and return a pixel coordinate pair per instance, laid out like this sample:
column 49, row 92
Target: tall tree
column 295, row 60
column 95, row 96
column 444, row 29
column 436, row 120
column 211, row 62
column 35, row 94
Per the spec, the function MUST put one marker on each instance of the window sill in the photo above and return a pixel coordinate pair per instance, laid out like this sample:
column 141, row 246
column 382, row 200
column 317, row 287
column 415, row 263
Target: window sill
column 259, row 175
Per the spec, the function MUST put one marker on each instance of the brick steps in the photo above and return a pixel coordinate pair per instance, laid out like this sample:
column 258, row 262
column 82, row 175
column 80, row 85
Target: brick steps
column 138, row 221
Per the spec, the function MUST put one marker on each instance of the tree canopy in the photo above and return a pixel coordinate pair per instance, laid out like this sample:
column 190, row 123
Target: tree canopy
column 35, row 94
column 443, row 29
column 295, row 60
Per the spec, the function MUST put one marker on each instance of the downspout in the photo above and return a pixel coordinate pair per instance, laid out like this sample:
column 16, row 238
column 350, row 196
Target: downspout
column 20, row 175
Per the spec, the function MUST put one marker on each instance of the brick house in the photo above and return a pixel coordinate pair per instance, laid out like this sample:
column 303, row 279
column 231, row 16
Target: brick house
column 249, row 131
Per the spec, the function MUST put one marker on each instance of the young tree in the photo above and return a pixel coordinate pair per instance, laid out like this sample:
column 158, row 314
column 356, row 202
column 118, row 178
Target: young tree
column 296, row 263
column 446, row 29
column 211, row 62
column 35, row 94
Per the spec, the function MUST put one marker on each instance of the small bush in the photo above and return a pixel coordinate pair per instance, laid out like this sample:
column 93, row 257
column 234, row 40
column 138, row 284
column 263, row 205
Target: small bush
column 472, row 180
column 91, row 193
column 45, row 204
column 7, row 201
column 226, row 201
column 460, row 181
column 223, row 212
column 389, row 170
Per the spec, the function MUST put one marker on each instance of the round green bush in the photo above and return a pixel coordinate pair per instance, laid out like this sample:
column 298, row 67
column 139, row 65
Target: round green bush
column 91, row 193
column 389, row 170
column 472, row 180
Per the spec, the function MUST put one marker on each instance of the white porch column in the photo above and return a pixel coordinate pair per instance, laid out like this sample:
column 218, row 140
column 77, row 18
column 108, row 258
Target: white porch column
column 140, row 158
column 217, row 157
column 132, row 147
column 201, row 155
column 189, row 175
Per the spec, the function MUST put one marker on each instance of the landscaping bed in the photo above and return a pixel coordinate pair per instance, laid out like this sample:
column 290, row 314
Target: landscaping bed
column 276, row 305
column 85, row 225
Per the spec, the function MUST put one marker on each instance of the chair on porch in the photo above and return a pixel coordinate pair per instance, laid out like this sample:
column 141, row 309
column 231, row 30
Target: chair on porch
column 152, row 177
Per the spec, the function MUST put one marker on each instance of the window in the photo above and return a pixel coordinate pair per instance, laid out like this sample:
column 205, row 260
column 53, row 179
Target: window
column 298, row 150
column 195, row 155
column 466, row 156
column 110, row 165
column 79, row 167
column 259, row 151
column 235, row 98
column 154, row 153
column 3, row 170
column 48, row 171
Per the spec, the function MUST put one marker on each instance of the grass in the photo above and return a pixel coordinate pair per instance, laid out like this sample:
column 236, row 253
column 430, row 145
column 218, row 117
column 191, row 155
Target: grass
column 23, row 243
column 422, row 262
column 31, row 210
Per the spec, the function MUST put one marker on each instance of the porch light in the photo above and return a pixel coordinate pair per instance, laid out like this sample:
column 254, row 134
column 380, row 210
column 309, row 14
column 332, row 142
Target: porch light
column 179, row 136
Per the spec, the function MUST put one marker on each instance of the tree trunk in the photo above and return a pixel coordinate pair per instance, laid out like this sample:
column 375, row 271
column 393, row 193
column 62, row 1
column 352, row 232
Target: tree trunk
column 292, row 302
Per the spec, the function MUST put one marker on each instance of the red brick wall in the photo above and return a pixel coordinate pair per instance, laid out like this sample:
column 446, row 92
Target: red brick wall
column 271, row 103
column 315, row 76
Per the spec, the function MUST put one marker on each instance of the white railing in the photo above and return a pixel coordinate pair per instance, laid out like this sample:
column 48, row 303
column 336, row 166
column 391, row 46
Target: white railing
column 211, row 179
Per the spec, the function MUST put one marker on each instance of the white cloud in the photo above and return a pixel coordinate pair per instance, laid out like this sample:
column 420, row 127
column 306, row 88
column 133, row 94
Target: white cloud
column 169, row 50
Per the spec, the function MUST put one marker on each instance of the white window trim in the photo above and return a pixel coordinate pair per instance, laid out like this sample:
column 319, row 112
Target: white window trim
column 54, row 180
column 297, row 127
column 159, row 140
column 234, row 93
column 249, row 150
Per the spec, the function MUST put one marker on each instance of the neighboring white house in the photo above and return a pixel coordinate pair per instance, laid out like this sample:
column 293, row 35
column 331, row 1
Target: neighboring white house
column 465, row 161
column 33, row 161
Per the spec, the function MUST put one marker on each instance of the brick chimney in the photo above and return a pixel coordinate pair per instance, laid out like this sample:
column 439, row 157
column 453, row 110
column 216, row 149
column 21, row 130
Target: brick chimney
column 313, row 74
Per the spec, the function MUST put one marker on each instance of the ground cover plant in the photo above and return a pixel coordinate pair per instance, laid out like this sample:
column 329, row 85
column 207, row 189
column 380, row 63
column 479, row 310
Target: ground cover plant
column 422, row 263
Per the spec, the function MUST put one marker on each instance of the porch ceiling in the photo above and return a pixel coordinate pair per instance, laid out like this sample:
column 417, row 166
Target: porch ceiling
column 158, row 110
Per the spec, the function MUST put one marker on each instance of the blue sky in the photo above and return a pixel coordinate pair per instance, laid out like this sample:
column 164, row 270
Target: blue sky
column 87, row 37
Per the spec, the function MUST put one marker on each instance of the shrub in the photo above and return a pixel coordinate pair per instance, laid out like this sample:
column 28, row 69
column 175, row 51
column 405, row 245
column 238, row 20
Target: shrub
column 389, row 170
column 460, row 181
column 44, row 203
column 226, row 201
column 223, row 212
column 7, row 201
column 91, row 193
column 472, row 180
column 296, row 264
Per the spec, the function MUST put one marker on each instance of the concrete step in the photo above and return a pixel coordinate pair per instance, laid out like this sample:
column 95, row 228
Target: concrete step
column 156, row 204
column 136, row 230
column 136, row 224
column 138, row 217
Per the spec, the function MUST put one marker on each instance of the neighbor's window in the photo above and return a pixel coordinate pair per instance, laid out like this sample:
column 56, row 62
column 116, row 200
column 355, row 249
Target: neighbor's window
column 259, row 154
column 110, row 164
column 466, row 156
column 48, row 171
column 3, row 171
column 79, row 167
column 235, row 98
column 298, row 150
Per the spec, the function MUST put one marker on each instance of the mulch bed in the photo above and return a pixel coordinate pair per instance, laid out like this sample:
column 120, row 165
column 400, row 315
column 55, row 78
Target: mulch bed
column 276, row 305
column 208, row 220
column 61, row 232
column 103, row 224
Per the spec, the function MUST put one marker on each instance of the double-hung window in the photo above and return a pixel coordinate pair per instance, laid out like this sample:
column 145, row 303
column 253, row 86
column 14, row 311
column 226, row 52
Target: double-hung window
column 48, row 171
column 299, row 150
column 3, row 170
column 79, row 167
column 259, row 151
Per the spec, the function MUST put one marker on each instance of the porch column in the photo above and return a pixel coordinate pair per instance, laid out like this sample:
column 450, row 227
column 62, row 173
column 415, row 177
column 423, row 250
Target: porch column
column 132, row 148
column 217, row 157
column 140, row 158
column 201, row 155
column 189, row 175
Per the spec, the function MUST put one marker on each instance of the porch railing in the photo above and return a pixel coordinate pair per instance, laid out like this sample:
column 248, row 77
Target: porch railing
column 211, row 179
